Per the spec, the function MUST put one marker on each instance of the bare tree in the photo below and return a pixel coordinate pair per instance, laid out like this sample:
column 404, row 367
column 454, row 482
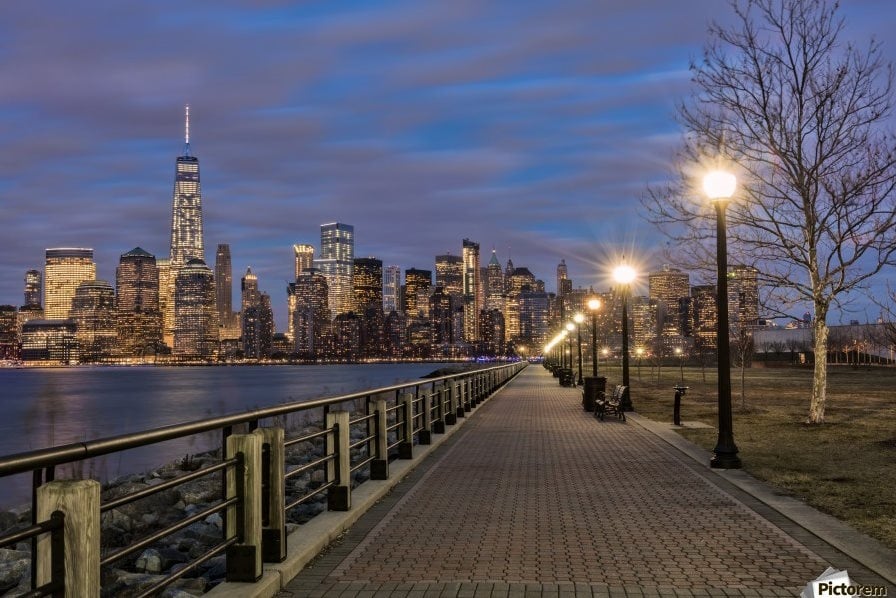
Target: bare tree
column 799, row 111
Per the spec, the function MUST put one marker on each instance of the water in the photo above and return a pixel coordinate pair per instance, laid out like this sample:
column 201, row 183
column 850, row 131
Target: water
column 51, row 406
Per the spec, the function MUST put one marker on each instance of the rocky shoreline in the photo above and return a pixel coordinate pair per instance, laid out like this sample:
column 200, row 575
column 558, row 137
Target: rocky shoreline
column 130, row 522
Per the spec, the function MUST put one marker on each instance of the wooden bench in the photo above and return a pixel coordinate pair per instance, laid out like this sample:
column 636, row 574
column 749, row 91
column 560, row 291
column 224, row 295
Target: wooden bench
column 611, row 404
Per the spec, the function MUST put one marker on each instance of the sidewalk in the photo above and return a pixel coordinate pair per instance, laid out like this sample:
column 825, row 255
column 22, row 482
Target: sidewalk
column 544, row 500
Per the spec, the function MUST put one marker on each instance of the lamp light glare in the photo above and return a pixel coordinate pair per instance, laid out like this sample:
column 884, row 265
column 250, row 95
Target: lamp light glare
column 719, row 184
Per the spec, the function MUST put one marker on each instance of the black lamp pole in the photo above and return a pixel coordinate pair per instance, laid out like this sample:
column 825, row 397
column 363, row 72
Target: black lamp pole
column 626, row 403
column 725, row 453
column 579, row 343
column 594, row 342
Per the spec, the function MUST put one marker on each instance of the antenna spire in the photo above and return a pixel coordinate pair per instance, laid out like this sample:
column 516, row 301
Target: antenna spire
column 187, row 131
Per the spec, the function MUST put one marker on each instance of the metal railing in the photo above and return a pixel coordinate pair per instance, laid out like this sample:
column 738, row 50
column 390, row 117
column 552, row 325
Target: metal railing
column 254, row 502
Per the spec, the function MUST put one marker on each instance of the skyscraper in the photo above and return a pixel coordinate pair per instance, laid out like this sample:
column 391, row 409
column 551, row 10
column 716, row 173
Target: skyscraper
column 33, row 289
column 303, row 256
column 450, row 275
column 391, row 289
column 494, row 284
column 195, row 312
column 743, row 296
column 186, row 210
column 93, row 310
column 670, row 289
column 66, row 268
column 336, row 262
column 224, row 285
column 471, row 291
column 312, row 315
column 139, row 320
column 167, row 279
column 367, row 284
column 564, row 284
column 418, row 284
column 249, row 290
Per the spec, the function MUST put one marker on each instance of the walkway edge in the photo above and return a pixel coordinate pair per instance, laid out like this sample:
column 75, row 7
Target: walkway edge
column 866, row 550
column 311, row 538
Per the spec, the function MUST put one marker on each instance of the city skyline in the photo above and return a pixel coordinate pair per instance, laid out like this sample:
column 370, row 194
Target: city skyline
column 536, row 144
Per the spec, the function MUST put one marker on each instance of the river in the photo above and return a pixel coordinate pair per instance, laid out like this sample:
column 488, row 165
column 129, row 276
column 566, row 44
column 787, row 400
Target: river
column 42, row 407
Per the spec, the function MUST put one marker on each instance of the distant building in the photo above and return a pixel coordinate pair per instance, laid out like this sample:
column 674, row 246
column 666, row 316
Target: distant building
column 395, row 333
column 564, row 284
column 418, row 284
column 391, row 289
column 9, row 333
column 33, row 288
column 743, row 296
column 346, row 345
column 93, row 311
column 367, row 282
column 533, row 318
column 311, row 325
column 224, row 286
column 195, row 312
column 494, row 284
column 472, row 304
column 491, row 326
column 450, row 275
column 441, row 314
column 258, row 328
column 138, row 317
column 705, row 317
column 303, row 256
column 167, row 280
column 49, row 341
column 336, row 263
column 186, row 206
column 65, row 269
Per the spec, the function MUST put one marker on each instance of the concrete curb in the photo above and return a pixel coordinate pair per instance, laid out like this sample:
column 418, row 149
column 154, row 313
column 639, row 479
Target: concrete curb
column 313, row 537
column 864, row 549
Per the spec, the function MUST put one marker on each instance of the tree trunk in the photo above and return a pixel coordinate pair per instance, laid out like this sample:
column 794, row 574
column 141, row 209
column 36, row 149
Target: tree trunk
column 820, row 376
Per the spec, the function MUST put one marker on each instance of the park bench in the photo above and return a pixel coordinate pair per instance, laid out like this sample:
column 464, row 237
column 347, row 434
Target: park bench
column 611, row 404
column 567, row 378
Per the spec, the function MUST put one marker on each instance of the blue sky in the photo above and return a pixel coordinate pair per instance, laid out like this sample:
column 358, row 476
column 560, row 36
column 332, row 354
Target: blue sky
column 530, row 127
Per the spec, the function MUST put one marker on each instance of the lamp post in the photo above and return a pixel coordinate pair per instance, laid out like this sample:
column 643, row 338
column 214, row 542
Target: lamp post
column 569, row 328
column 578, row 319
column 680, row 355
column 640, row 353
column 719, row 187
column 625, row 274
column 593, row 306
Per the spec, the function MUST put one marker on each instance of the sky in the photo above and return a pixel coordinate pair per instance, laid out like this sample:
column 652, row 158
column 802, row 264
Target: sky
column 530, row 127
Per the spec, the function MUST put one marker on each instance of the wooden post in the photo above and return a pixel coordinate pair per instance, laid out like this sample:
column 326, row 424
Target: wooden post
column 244, row 520
column 425, row 435
column 339, row 497
column 379, row 467
column 467, row 393
column 438, row 426
column 459, row 388
column 273, row 520
column 406, row 447
column 79, row 501
column 451, row 414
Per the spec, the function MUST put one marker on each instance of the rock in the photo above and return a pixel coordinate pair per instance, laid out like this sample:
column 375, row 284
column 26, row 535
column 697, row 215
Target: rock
column 150, row 518
column 171, row 557
column 8, row 519
column 14, row 567
column 116, row 518
column 318, row 476
column 216, row 568
column 149, row 561
column 216, row 520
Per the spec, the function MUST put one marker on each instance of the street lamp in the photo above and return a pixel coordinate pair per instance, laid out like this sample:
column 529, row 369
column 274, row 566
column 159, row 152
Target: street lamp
column 569, row 328
column 625, row 274
column 578, row 319
column 593, row 306
column 719, row 187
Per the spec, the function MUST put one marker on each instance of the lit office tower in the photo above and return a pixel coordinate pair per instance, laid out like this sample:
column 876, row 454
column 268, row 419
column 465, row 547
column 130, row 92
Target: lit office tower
column 336, row 262
column 249, row 290
column 167, row 278
column 494, row 284
column 417, row 287
column 258, row 327
column 564, row 284
column 195, row 312
column 224, row 285
column 743, row 296
column 367, row 284
column 304, row 257
column 32, row 288
column 93, row 310
column 391, row 289
column 139, row 320
column 312, row 315
column 669, row 287
column 65, row 269
column 471, row 291
column 186, row 209
column 450, row 275
column 704, row 317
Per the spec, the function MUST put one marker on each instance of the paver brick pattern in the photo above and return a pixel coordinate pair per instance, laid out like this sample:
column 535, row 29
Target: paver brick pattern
column 537, row 495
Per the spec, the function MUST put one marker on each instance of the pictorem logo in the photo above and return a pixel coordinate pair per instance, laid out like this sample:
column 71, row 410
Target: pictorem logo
column 836, row 583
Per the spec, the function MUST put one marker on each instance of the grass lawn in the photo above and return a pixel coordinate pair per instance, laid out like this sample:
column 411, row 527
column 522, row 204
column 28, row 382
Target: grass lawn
column 845, row 467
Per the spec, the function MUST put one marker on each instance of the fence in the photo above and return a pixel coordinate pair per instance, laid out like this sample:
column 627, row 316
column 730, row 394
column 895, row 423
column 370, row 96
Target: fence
column 357, row 437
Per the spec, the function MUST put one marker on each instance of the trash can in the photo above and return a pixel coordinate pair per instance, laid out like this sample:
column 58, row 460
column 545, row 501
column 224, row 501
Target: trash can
column 594, row 385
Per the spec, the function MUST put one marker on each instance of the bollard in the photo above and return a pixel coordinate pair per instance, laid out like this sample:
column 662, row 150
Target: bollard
column 406, row 446
column 379, row 467
column 339, row 497
column 273, row 523
column 79, row 502
column 676, row 411
column 244, row 520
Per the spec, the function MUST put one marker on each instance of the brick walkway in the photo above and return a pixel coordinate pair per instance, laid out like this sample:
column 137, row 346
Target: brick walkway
column 534, row 497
